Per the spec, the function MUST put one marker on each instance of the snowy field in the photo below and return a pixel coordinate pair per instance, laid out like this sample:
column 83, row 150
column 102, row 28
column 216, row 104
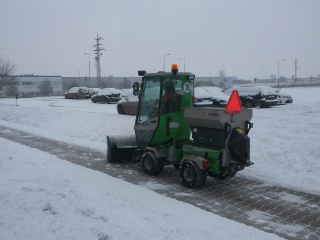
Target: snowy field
column 43, row 197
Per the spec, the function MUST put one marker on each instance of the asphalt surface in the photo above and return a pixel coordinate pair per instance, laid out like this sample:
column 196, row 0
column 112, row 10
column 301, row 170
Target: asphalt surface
column 287, row 213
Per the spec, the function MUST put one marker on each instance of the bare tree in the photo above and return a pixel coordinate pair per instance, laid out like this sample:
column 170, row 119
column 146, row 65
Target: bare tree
column 125, row 83
column 11, row 90
column 7, row 70
column 45, row 87
column 222, row 73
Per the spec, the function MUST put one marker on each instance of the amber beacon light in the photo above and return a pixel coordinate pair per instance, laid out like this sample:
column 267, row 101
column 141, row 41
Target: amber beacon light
column 174, row 68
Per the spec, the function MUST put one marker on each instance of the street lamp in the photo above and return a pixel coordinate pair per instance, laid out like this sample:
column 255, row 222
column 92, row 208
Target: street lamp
column 89, row 66
column 184, row 64
column 278, row 69
column 164, row 61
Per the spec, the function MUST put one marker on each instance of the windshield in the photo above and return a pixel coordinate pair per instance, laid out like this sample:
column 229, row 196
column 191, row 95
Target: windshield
column 149, row 99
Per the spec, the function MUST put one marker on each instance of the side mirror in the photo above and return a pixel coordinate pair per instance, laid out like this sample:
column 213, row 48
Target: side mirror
column 136, row 87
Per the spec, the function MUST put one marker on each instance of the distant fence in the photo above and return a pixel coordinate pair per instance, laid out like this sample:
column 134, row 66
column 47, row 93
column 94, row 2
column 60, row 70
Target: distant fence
column 284, row 83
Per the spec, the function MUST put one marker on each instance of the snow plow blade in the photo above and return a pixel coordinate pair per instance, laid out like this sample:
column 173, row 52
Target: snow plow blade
column 121, row 148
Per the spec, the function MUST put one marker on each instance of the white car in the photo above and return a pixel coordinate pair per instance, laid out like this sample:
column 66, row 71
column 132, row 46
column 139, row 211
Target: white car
column 93, row 91
column 218, row 98
column 284, row 98
column 126, row 92
column 202, row 98
column 107, row 95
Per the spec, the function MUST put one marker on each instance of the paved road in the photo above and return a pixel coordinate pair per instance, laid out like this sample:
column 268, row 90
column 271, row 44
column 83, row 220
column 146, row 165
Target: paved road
column 285, row 212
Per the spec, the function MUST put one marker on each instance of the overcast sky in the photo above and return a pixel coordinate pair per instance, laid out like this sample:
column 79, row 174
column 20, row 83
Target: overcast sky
column 245, row 38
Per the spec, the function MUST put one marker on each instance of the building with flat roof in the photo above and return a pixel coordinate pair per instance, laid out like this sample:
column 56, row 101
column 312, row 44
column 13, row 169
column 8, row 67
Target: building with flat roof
column 28, row 86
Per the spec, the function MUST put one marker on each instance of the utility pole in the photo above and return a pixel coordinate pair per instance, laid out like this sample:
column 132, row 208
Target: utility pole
column 89, row 68
column 295, row 70
column 97, row 59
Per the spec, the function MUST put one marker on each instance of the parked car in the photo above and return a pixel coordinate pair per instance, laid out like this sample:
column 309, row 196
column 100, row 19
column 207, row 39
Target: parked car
column 128, row 105
column 93, row 91
column 106, row 95
column 126, row 92
column 284, row 98
column 218, row 98
column 255, row 96
column 77, row 93
column 202, row 98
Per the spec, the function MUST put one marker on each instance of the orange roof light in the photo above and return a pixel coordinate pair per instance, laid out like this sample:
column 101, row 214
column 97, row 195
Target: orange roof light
column 234, row 103
column 174, row 68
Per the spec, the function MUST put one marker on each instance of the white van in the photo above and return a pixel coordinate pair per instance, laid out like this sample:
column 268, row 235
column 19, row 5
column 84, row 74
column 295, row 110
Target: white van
column 255, row 96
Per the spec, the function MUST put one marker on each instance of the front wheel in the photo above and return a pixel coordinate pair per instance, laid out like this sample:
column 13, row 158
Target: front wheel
column 191, row 175
column 248, row 104
column 121, row 110
column 151, row 165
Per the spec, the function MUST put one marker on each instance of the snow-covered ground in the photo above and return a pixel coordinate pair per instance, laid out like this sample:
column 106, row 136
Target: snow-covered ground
column 43, row 197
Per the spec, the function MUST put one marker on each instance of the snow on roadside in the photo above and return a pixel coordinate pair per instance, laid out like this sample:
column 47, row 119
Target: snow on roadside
column 44, row 197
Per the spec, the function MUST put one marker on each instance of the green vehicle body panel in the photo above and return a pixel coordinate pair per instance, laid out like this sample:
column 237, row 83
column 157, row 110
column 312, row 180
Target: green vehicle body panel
column 213, row 156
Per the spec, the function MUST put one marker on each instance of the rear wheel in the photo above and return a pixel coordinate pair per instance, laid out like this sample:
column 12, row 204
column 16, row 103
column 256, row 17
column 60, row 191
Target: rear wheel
column 151, row 165
column 191, row 175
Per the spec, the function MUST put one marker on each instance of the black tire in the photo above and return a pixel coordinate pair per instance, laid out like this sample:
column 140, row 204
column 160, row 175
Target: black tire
column 150, row 164
column 248, row 104
column 191, row 175
column 120, row 110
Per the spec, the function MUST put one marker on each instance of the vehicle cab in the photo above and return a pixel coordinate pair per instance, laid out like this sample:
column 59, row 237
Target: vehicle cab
column 163, row 96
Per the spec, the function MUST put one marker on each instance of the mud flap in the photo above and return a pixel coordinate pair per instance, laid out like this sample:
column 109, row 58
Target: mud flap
column 121, row 148
column 239, row 146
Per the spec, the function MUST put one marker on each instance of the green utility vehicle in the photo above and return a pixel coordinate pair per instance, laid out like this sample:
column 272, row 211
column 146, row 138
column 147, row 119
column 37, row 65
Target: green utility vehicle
column 200, row 142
